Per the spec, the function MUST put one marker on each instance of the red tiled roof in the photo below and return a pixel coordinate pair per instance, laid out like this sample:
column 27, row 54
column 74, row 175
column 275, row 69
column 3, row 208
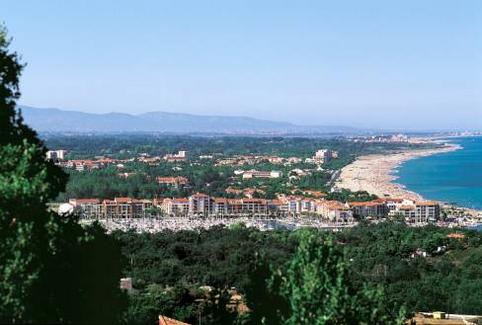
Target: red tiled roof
column 200, row 195
column 335, row 205
column 260, row 201
column 314, row 193
column 164, row 320
column 456, row 235
column 407, row 207
column 85, row 201
column 235, row 201
column 365, row 204
column 380, row 200
column 122, row 199
column 395, row 200
column 426, row 203
column 171, row 180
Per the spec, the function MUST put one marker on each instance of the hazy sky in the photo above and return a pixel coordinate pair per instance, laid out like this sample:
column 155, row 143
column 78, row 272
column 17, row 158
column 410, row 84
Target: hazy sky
column 391, row 64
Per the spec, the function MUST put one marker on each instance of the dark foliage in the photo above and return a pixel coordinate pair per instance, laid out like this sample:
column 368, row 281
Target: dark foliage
column 379, row 256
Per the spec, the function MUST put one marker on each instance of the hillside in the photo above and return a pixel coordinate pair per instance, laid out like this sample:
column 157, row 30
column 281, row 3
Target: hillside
column 57, row 120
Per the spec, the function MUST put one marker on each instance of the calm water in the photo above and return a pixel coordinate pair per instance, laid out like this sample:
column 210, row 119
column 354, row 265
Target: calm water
column 454, row 177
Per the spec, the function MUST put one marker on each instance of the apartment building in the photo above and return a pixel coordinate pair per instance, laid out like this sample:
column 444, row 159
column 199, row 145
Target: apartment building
column 175, row 207
column 374, row 209
column 296, row 205
column 245, row 206
column 323, row 156
column 426, row 211
column 275, row 160
column 56, row 155
column 151, row 161
column 262, row 174
column 179, row 157
column 200, row 204
column 254, row 206
column 334, row 211
column 203, row 205
column 122, row 207
column 125, row 207
column 87, row 208
column 82, row 165
column 411, row 211
column 172, row 181
column 279, row 206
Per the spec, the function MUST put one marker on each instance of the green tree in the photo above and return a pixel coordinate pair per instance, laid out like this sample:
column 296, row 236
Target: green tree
column 319, row 291
column 266, row 304
column 46, row 271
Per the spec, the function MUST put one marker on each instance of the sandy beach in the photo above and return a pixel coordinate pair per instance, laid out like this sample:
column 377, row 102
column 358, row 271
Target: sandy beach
column 376, row 173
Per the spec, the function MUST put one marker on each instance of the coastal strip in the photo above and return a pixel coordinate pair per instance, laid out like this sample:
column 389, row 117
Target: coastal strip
column 376, row 173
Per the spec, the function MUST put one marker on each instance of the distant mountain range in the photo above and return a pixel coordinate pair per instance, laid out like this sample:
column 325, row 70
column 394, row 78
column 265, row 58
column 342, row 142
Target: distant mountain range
column 57, row 120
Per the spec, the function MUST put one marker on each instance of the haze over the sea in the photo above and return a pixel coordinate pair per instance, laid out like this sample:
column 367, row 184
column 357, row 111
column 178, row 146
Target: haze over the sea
column 454, row 177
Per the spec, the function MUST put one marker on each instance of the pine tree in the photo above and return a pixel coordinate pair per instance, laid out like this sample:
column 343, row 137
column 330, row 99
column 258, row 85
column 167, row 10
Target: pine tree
column 319, row 290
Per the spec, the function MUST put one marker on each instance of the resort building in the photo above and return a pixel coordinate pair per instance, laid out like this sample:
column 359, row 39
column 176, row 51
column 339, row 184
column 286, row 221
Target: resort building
column 179, row 157
column 323, row 156
column 238, row 207
column 125, row 207
column 275, row 160
column 85, row 165
column 442, row 318
column 426, row 211
column 56, row 155
column 175, row 207
column 87, row 208
column 122, row 207
column 151, row 161
column 200, row 205
column 293, row 160
column 412, row 211
column 203, row 205
column 262, row 174
column 334, row 211
column 278, row 206
column 375, row 209
column 172, row 181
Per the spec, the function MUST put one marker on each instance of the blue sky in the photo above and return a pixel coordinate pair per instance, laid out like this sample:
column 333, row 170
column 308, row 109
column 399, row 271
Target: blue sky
column 390, row 64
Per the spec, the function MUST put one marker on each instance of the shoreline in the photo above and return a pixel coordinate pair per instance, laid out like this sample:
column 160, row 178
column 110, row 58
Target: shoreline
column 377, row 174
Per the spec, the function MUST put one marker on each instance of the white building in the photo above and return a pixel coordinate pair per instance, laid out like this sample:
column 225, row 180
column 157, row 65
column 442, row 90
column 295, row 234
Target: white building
column 323, row 156
column 180, row 156
column 56, row 154
column 262, row 174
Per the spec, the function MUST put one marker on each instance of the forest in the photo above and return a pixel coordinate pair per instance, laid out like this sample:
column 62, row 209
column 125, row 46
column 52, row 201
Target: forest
column 170, row 270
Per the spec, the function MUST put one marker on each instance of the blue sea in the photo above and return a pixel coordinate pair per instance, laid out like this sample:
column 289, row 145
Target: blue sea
column 454, row 177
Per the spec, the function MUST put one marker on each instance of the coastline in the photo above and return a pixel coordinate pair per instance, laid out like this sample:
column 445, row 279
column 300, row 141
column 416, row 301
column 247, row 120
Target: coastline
column 376, row 174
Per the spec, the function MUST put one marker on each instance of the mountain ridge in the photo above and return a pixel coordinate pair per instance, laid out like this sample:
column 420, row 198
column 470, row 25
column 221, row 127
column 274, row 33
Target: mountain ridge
column 58, row 120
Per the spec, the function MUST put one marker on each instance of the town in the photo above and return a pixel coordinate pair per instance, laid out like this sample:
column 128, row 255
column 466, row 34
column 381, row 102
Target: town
column 256, row 186
column 202, row 205
column 203, row 182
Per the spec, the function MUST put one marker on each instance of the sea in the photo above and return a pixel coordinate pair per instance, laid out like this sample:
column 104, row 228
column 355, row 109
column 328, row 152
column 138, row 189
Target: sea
column 454, row 177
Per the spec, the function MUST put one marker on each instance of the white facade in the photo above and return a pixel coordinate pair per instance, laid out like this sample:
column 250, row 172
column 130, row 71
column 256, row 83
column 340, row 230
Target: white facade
column 56, row 154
